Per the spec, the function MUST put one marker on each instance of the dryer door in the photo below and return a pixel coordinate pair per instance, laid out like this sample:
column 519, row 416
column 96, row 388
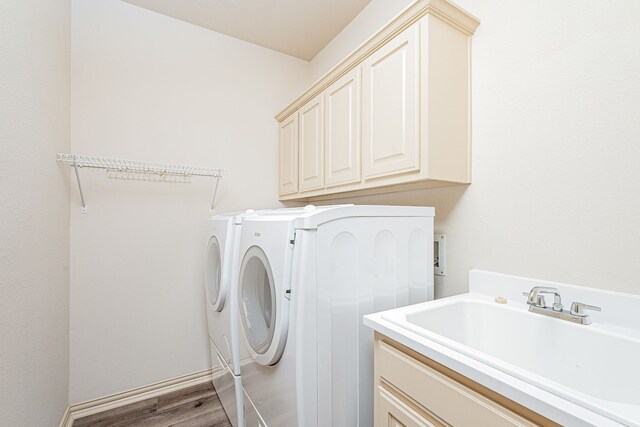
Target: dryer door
column 216, row 292
column 263, row 311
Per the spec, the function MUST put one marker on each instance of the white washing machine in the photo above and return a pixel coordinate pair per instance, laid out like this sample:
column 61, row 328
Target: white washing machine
column 306, row 278
column 220, row 276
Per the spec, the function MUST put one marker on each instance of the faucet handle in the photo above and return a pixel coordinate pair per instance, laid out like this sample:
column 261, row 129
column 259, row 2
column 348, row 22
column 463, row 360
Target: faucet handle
column 535, row 300
column 578, row 308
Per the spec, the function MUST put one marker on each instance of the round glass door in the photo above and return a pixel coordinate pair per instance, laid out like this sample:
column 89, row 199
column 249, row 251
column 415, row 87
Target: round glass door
column 213, row 274
column 257, row 300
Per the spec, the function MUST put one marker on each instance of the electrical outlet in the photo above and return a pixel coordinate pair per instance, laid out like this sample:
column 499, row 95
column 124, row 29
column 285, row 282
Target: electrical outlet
column 439, row 254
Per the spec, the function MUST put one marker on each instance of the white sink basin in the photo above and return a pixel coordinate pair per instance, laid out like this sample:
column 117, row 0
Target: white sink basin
column 541, row 349
column 566, row 371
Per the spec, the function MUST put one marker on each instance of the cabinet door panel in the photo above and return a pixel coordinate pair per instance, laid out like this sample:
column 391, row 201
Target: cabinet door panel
column 342, row 130
column 311, row 122
column 393, row 412
column 390, row 98
column 288, row 167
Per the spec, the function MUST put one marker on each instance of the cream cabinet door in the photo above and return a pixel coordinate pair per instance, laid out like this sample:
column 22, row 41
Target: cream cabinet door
column 342, row 130
column 311, row 121
column 288, row 167
column 390, row 97
column 391, row 411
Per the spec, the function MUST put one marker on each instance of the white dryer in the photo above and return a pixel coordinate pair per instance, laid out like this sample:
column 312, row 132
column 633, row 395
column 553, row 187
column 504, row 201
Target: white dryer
column 220, row 277
column 306, row 278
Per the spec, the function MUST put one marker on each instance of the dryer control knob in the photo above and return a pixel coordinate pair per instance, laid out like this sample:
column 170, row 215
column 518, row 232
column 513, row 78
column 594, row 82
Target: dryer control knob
column 309, row 208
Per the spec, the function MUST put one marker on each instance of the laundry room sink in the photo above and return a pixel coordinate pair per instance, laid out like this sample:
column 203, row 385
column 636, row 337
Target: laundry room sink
column 574, row 356
column 592, row 365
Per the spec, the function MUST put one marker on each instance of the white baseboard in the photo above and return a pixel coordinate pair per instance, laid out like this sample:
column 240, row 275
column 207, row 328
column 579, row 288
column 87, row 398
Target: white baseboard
column 66, row 418
column 90, row 407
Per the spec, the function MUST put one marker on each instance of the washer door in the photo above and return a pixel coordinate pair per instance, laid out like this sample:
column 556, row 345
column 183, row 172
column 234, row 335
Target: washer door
column 216, row 292
column 264, row 319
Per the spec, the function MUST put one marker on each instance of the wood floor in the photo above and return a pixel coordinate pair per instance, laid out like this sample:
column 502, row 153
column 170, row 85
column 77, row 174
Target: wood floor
column 196, row 406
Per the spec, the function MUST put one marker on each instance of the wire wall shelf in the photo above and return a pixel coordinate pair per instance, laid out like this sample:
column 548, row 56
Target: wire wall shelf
column 139, row 171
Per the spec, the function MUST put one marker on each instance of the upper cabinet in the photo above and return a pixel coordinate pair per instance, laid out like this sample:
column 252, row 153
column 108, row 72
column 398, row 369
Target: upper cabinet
column 288, row 163
column 311, row 143
column 395, row 114
column 342, row 130
column 390, row 121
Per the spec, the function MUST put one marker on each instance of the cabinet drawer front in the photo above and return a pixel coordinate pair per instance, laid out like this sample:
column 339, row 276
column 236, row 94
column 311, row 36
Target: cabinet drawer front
column 288, row 167
column 390, row 97
column 451, row 401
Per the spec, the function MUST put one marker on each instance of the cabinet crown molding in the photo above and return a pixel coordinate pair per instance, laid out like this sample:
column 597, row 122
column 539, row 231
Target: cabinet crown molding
column 442, row 9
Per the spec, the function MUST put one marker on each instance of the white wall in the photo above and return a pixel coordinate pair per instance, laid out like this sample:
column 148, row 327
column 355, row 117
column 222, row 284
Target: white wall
column 149, row 87
column 375, row 15
column 556, row 182
column 555, row 93
column 34, row 212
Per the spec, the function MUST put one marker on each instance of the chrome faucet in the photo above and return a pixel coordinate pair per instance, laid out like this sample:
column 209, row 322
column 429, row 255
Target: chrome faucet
column 537, row 304
column 537, row 300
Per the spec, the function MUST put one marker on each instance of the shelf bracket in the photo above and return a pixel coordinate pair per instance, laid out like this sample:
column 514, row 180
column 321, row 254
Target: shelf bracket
column 215, row 192
column 83, row 209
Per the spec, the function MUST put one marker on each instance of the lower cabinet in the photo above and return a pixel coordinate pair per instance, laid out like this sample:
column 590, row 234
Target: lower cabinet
column 412, row 390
